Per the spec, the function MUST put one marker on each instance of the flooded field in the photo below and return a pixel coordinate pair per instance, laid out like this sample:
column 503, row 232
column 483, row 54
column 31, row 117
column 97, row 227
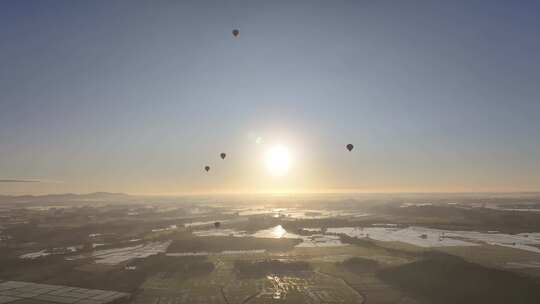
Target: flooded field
column 271, row 254
column 220, row 232
column 298, row 213
column 278, row 232
column 223, row 286
column 47, row 252
column 225, row 252
column 418, row 236
column 120, row 255
column 309, row 287
column 429, row 237
column 35, row 255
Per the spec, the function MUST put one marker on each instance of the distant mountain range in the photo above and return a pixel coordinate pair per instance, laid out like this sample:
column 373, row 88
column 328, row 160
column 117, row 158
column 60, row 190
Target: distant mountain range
column 67, row 197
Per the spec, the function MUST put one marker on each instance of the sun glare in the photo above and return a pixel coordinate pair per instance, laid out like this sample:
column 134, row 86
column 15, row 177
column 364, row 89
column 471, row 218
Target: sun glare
column 278, row 160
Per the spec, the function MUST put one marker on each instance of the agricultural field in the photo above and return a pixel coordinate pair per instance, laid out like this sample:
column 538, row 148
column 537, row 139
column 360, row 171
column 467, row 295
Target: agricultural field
column 362, row 251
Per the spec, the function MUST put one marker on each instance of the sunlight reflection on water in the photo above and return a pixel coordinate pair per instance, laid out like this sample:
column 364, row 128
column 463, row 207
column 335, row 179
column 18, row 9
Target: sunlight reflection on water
column 276, row 232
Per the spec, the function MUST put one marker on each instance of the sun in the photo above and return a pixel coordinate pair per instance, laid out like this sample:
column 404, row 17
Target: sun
column 278, row 160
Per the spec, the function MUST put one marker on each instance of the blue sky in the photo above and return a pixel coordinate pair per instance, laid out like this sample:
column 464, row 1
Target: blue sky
column 137, row 96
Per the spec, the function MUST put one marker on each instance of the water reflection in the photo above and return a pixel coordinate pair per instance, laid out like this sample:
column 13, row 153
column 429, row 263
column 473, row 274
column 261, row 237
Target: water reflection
column 276, row 232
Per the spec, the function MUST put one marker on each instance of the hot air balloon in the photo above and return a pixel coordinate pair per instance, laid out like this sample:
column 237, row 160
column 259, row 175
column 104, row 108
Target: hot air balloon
column 223, row 155
column 207, row 168
column 350, row 147
column 236, row 33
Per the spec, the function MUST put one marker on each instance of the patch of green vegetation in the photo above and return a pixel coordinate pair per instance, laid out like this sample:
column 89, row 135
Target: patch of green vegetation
column 389, row 248
column 442, row 278
column 320, row 223
column 265, row 267
column 55, row 270
column 254, row 223
column 188, row 266
column 36, row 270
column 130, row 278
column 357, row 241
column 359, row 265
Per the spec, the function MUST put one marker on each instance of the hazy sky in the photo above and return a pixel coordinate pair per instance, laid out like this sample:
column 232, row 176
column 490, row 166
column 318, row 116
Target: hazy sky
column 137, row 96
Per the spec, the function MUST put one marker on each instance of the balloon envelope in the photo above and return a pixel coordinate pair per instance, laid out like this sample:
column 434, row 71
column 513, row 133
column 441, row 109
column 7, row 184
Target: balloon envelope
column 223, row 155
column 236, row 32
column 350, row 147
column 207, row 168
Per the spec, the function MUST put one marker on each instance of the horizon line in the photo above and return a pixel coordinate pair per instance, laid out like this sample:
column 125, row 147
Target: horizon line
column 278, row 193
